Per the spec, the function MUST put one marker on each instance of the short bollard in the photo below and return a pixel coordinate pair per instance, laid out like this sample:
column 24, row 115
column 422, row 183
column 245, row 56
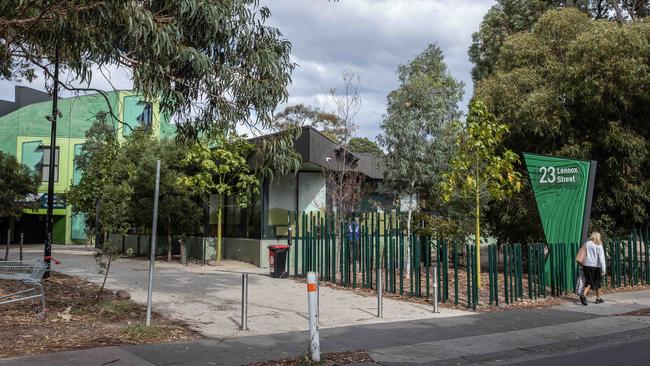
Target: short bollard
column 244, row 301
column 380, row 300
column 7, row 246
column 312, row 296
column 435, row 289
column 22, row 237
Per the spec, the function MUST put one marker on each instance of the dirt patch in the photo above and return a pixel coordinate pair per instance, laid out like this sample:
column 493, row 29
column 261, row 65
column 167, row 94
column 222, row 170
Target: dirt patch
column 484, row 298
column 75, row 319
column 328, row 359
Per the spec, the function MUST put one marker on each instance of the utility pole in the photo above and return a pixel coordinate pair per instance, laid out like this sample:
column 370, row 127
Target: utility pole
column 49, row 221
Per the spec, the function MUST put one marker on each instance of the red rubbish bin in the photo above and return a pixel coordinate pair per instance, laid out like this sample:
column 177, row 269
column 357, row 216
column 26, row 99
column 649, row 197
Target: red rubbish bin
column 278, row 260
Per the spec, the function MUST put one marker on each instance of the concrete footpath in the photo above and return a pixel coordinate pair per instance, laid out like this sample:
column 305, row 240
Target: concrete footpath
column 516, row 336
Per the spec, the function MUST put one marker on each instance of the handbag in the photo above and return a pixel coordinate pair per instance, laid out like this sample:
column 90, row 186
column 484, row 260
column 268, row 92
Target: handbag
column 582, row 254
column 580, row 281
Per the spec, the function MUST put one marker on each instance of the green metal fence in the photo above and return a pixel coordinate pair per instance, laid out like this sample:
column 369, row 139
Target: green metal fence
column 349, row 252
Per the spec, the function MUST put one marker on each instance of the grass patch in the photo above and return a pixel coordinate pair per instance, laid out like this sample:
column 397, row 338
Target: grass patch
column 141, row 333
column 118, row 307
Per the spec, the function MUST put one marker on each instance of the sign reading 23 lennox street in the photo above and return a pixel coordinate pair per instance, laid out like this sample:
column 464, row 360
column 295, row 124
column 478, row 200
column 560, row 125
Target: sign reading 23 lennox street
column 563, row 190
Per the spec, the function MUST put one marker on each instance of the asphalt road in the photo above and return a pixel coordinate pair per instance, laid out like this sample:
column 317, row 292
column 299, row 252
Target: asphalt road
column 622, row 354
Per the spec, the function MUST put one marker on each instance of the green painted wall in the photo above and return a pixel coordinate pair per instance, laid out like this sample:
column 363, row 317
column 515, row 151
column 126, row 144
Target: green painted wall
column 24, row 131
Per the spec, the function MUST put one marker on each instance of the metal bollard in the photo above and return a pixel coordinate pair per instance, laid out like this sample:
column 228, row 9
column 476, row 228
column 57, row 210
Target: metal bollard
column 22, row 237
column 312, row 297
column 7, row 247
column 435, row 289
column 380, row 302
column 244, row 301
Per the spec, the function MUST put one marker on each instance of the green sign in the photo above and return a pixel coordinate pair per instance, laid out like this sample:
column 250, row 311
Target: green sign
column 563, row 189
column 560, row 187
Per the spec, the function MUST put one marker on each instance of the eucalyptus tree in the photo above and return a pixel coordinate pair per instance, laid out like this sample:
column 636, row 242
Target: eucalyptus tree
column 418, row 129
column 205, row 61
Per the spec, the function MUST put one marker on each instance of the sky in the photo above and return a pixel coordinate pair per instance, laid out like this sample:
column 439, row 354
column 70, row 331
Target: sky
column 370, row 37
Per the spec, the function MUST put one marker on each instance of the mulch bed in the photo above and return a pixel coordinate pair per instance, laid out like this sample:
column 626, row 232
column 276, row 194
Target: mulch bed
column 484, row 299
column 76, row 319
column 328, row 359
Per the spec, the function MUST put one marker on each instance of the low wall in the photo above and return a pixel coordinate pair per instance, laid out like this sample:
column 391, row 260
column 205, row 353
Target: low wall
column 243, row 250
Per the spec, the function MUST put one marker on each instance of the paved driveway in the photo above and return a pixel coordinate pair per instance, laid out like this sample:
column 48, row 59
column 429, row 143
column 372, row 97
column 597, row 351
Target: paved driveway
column 209, row 297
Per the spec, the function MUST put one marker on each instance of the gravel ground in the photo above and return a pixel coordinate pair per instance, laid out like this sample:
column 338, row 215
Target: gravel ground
column 208, row 298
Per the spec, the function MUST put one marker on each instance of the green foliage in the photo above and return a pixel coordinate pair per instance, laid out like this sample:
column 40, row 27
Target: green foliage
column 118, row 183
column 508, row 17
column 480, row 169
column 219, row 166
column 102, row 189
column 418, row 127
column 301, row 115
column 17, row 183
column 577, row 88
column 181, row 52
column 364, row 145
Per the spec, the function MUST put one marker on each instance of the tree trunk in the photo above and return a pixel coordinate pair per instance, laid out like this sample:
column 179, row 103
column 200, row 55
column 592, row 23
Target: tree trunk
column 183, row 253
column 108, row 268
column 169, row 240
column 219, row 217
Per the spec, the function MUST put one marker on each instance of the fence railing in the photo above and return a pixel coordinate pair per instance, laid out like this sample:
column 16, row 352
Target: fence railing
column 349, row 252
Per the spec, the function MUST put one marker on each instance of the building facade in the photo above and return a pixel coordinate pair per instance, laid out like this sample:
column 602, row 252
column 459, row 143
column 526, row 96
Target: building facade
column 25, row 133
column 247, row 232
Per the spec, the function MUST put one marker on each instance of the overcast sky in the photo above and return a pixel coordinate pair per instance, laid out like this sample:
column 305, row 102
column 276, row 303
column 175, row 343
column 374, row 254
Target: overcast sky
column 371, row 37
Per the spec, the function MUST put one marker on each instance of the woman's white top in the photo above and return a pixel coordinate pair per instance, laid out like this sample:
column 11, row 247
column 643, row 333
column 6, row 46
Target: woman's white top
column 595, row 256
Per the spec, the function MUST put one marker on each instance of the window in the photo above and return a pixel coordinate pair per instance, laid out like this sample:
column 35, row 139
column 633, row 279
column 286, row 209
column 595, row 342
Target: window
column 45, row 164
column 137, row 114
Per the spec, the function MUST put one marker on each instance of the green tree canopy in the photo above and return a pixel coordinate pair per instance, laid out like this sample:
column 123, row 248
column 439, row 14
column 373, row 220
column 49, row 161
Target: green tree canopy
column 417, row 131
column 118, row 182
column 205, row 61
column 301, row 115
column 508, row 17
column 418, row 128
column 219, row 166
column 577, row 88
column 17, row 183
column 364, row 145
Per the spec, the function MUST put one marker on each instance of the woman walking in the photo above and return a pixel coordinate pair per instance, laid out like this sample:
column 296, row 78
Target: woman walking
column 593, row 267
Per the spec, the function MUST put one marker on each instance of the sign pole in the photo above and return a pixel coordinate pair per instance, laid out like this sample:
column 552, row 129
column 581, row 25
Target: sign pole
column 152, row 256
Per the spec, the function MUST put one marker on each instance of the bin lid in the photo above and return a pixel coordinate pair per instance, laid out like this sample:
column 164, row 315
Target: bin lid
column 278, row 246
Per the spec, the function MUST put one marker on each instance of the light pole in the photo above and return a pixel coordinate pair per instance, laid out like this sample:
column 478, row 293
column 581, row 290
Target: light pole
column 49, row 221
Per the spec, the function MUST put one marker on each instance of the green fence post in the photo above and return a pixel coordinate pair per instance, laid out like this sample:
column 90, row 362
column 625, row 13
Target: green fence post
column 491, row 283
column 505, row 272
column 455, row 249
column 468, row 270
column 401, row 260
column 474, row 278
column 295, row 243
column 427, row 264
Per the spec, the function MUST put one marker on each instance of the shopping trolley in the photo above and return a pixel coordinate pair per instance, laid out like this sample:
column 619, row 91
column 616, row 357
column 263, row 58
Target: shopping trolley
column 31, row 273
